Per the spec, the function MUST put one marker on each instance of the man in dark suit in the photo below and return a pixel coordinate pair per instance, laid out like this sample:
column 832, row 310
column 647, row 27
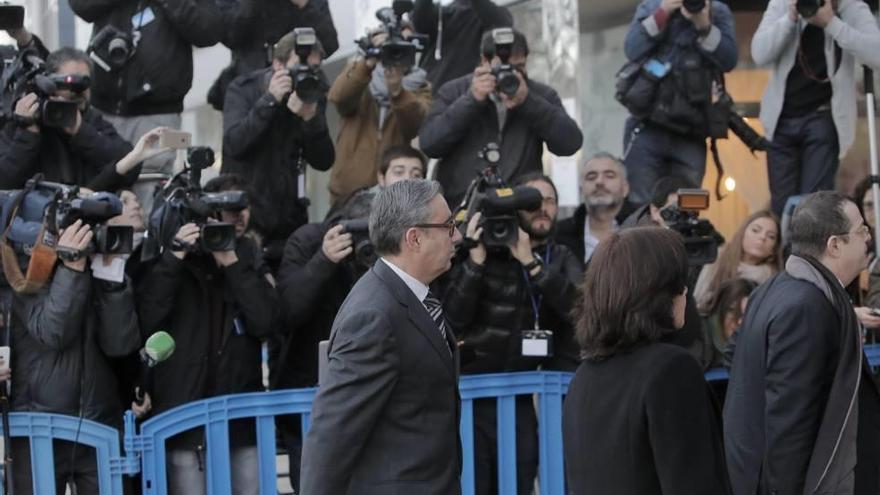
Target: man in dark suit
column 802, row 413
column 385, row 420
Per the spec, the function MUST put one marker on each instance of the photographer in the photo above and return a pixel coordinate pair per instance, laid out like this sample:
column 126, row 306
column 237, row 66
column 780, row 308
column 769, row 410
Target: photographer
column 685, row 45
column 61, row 340
column 809, row 107
column 252, row 27
column 85, row 153
column 271, row 130
column 455, row 31
column 217, row 306
column 494, row 300
column 388, row 99
column 472, row 110
column 146, row 53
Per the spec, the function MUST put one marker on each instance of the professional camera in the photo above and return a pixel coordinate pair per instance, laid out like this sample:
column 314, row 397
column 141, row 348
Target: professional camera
column 505, row 74
column 700, row 237
column 398, row 50
column 722, row 118
column 694, row 6
column 27, row 74
column 182, row 201
column 364, row 253
column 307, row 80
column 498, row 203
column 11, row 16
column 808, row 8
column 111, row 48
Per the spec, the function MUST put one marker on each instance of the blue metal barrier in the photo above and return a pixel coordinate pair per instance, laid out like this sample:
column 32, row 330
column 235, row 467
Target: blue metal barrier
column 146, row 449
column 43, row 428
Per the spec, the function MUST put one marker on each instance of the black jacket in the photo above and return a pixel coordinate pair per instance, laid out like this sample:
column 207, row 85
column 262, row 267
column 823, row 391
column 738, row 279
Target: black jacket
column 464, row 22
column 263, row 142
column 159, row 74
column 312, row 289
column 489, row 306
column 198, row 304
column 61, row 341
column 86, row 159
column 643, row 423
column 459, row 126
column 251, row 29
column 781, row 426
column 570, row 232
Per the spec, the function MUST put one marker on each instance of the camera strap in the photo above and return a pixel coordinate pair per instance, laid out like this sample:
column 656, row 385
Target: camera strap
column 536, row 299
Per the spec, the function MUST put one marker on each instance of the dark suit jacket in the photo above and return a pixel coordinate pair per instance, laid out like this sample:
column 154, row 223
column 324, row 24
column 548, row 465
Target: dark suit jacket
column 643, row 423
column 385, row 420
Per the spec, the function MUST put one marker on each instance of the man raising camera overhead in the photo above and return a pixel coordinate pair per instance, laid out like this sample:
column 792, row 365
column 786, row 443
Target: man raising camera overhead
column 680, row 47
column 809, row 106
column 498, row 102
column 274, row 126
column 383, row 97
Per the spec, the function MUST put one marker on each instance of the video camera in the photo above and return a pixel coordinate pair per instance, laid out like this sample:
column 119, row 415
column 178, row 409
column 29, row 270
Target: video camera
column 498, row 203
column 182, row 201
column 307, row 80
column 701, row 240
column 398, row 50
column 27, row 74
column 808, row 8
column 111, row 48
column 505, row 74
column 694, row 6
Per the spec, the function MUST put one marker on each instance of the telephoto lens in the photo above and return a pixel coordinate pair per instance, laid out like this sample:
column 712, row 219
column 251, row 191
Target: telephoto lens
column 694, row 6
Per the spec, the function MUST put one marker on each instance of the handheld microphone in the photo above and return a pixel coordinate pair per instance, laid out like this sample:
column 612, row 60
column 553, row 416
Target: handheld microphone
column 159, row 347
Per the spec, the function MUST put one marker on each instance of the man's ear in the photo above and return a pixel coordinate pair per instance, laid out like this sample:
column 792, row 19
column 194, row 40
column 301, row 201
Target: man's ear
column 411, row 238
column 380, row 179
column 832, row 246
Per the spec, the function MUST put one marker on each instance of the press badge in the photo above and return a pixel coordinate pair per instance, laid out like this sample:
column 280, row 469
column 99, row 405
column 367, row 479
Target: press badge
column 537, row 343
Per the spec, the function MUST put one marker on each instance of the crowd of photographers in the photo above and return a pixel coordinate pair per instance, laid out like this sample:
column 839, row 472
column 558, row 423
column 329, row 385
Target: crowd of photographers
column 109, row 307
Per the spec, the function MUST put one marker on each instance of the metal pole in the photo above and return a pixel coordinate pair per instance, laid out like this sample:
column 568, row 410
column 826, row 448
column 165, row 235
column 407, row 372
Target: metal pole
column 872, row 139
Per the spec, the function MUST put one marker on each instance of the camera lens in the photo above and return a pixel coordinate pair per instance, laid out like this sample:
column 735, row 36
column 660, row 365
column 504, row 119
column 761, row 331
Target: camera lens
column 118, row 51
column 508, row 83
column 694, row 6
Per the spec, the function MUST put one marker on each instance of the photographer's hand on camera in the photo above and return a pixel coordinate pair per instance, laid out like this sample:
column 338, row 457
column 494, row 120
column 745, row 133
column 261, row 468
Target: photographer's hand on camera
column 337, row 245
column 76, row 237
column 702, row 20
column 377, row 38
column 187, row 236
column 280, row 85
column 519, row 97
column 26, row 108
column 823, row 16
column 483, row 83
column 670, row 6
column 305, row 111
column 522, row 252
column 477, row 253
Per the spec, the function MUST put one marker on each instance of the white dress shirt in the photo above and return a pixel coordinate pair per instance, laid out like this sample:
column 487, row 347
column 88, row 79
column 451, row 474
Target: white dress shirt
column 419, row 289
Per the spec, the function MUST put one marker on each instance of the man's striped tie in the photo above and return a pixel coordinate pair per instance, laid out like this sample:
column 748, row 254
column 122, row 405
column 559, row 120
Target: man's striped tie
column 435, row 309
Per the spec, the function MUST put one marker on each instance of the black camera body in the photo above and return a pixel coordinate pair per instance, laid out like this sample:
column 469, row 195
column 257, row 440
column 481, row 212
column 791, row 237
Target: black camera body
column 506, row 79
column 182, row 201
column 111, row 48
column 694, row 6
column 398, row 50
column 26, row 73
column 808, row 8
column 498, row 204
column 701, row 240
column 307, row 81
column 364, row 252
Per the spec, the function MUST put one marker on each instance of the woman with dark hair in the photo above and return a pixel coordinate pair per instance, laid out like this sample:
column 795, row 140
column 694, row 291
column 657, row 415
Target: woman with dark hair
column 865, row 290
column 754, row 253
column 725, row 315
column 639, row 418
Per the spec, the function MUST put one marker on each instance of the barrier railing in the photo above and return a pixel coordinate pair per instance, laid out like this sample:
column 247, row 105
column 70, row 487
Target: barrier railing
column 145, row 449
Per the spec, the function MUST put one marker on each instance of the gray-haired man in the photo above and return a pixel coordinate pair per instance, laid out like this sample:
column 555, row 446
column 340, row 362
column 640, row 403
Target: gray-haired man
column 385, row 420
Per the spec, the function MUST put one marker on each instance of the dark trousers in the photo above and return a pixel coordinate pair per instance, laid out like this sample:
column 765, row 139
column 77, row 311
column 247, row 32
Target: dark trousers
column 486, row 446
column 77, row 465
column 803, row 157
column 653, row 153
